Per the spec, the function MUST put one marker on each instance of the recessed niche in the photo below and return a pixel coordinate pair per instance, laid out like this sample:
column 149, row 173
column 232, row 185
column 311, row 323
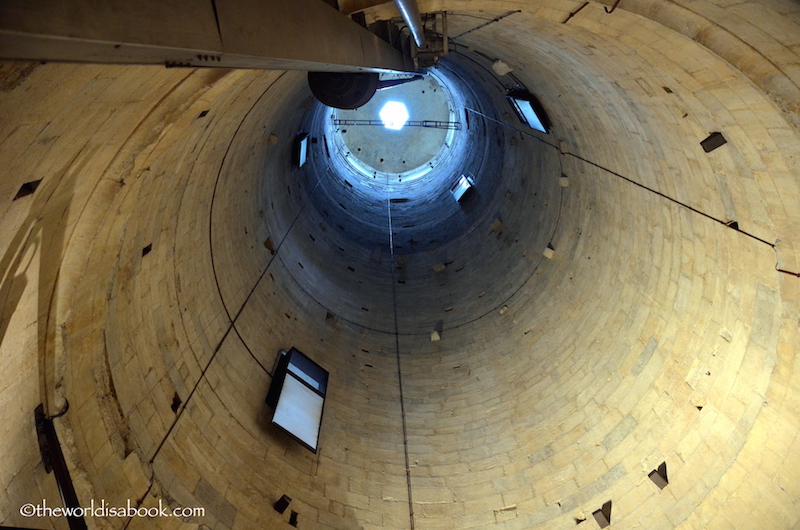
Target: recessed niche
column 282, row 503
column 659, row 476
column 603, row 515
column 714, row 140
column 27, row 189
column 146, row 250
column 293, row 518
column 176, row 403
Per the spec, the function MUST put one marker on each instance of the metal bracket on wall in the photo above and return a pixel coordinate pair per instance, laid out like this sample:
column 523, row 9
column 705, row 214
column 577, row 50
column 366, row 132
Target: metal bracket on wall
column 613, row 8
column 575, row 12
column 435, row 44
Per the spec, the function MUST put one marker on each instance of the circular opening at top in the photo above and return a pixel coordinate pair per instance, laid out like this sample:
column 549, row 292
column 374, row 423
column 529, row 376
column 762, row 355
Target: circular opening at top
column 402, row 131
column 394, row 115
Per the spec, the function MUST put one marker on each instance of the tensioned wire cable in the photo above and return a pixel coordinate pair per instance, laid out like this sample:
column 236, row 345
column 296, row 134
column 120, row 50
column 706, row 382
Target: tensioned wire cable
column 397, row 352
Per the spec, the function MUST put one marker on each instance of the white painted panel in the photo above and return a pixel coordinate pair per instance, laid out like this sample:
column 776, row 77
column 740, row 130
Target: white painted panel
column 299, row 411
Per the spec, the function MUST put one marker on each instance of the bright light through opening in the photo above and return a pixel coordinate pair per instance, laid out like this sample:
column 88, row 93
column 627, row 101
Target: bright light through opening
column 394, row 115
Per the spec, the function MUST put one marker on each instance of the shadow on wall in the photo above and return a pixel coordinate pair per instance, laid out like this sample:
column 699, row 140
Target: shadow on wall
column 40, row 236
column 44, row 229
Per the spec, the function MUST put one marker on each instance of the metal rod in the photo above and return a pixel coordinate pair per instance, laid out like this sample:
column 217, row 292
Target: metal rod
column 399, row 366
column 430, row 124
column 410, row 12
column 498, row 19
column 391, row 83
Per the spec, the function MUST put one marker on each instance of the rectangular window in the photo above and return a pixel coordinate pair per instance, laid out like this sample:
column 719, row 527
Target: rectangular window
column 301, row 149
column 461, row 187
column 297, row 394
column 299, row 411
column 529, row 110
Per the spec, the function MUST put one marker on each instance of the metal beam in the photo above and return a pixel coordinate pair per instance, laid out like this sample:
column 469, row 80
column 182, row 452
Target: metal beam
column 429, row 124
column 260, row 34
column 410, row 13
